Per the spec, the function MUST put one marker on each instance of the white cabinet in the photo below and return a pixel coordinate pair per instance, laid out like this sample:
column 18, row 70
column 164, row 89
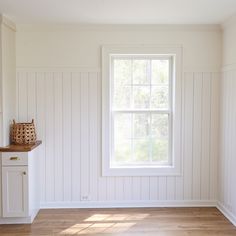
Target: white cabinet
column 15, row 191
column 20, row 184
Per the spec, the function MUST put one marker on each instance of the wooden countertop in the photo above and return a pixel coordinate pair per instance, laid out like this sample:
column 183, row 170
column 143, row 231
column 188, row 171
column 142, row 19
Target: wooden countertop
column 20, row 148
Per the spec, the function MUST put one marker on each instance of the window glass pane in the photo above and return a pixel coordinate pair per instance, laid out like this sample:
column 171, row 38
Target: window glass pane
column 141, row 124
column 141, row 97
column 141, row 150
column 160, row 126
column 140, row 68
column 160, row 137
column 160, row 71
column 160, row 97
column 122, row 82
column 160, row 150
column 122, row 72
column 122, row 97
column 122, row 126
column 123, row 151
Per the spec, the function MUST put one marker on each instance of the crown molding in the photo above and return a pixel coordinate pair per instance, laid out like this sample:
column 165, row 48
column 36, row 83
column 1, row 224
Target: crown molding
column 115, row 27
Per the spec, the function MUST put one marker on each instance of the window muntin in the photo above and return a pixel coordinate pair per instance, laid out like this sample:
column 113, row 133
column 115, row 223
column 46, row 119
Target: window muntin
column 141, row 105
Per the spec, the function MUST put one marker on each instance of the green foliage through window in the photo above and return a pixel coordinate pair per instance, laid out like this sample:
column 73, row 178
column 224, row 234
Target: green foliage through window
column 141, row 103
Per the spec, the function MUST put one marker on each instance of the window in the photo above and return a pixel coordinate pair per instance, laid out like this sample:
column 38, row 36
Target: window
column 139, row 112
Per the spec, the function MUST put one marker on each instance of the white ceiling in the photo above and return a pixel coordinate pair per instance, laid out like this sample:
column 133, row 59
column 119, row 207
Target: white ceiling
column 119, row 11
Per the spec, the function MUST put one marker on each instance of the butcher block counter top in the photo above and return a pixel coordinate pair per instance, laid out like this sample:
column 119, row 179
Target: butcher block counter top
column 20, row 148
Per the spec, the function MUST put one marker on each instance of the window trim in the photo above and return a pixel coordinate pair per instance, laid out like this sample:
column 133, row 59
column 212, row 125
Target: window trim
column 172, row 51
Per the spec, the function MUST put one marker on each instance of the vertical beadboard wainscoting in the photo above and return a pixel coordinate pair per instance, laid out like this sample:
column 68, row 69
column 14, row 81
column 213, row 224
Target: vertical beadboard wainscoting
column 227, row 160
column 66, row 105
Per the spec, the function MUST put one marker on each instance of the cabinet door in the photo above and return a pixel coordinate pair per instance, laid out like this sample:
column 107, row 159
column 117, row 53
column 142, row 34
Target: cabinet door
column 15, row 191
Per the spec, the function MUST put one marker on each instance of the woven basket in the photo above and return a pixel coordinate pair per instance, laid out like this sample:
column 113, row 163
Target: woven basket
column 23, row 133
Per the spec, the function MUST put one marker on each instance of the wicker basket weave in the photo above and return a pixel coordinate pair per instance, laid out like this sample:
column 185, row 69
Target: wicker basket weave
column 23, row 133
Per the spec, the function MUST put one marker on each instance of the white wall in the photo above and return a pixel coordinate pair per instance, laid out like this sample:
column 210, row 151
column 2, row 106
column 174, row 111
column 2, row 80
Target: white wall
column 227, row 162
column 7, row 82
column 59, row 84
column 8, row 77
column 80, row 45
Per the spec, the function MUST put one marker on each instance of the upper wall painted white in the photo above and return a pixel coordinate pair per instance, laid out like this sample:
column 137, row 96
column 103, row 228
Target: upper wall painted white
column 7, row 77
column 229, row 36
column 81, row 46
column 7, row 82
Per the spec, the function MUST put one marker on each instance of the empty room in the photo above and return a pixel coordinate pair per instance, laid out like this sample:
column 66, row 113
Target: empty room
column 118, row 117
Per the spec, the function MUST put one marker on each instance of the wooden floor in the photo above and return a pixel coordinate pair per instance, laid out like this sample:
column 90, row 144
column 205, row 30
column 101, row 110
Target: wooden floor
column 128, row 222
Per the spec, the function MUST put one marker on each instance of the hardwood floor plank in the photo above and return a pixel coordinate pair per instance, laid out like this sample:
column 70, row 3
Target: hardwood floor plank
column 125, row 222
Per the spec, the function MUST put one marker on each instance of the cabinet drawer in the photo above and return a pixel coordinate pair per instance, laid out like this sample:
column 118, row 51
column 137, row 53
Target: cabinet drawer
column 14, row 158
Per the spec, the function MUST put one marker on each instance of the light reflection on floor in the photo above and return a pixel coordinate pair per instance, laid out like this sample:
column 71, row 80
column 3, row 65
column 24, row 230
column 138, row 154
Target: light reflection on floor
column 104, row 223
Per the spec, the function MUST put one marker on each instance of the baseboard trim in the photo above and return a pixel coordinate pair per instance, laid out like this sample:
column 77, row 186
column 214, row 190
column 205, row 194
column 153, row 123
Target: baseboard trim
column 227, row 213
column 19, row 220
column 127, row 204
column 16, row 220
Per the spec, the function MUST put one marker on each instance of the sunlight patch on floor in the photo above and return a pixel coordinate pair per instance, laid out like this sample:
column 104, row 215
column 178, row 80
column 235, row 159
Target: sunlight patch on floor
column 105, row 223
column 95, row 228
column 115, row 217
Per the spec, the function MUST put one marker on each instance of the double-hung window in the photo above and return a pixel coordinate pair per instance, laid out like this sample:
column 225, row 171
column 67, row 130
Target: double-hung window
column 139, row 112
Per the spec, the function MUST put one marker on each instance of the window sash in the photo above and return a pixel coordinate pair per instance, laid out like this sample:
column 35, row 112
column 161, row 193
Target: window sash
column 141, row 111
column 147, row 163
column 168, row 111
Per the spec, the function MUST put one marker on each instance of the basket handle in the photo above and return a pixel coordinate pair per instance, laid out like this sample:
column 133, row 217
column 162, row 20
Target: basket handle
column 14, row 121
column 32, row 121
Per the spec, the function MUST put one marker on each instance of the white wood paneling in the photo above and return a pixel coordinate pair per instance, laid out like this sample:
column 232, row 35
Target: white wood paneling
column 49, row 136
column 67, row 134
column 67, row 108
column 76, row 136
column 197, row 135
column 58, row 138
column 227, row 160
column 188, row 134
column 205, row 162
column 40, row 124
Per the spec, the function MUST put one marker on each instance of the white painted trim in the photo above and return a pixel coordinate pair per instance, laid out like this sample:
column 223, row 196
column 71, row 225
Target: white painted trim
column 229, row 67
column 175, row 51
column 202, row 69
column 58, row 69
column 115, row 27
column 127, row 204
column 7, row 22
column 20, row 220
column 98, row 69
column 227, row 213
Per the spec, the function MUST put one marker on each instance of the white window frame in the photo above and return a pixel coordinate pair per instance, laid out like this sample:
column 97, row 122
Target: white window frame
column 175, row 167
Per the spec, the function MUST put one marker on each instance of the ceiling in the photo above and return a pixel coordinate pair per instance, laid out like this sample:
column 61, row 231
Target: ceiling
column 118, row 11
